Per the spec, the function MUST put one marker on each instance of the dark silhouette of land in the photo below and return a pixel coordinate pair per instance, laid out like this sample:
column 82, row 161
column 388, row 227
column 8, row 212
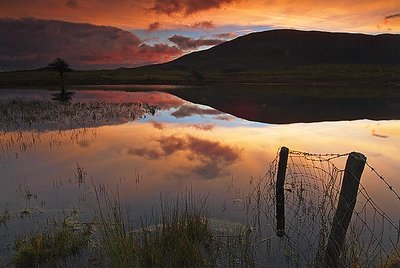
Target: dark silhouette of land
column 277, row 56
column 278, row 76
column 292, row 48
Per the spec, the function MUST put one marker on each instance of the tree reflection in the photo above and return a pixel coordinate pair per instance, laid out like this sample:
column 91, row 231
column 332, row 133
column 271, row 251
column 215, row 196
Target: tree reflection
column 63, row 97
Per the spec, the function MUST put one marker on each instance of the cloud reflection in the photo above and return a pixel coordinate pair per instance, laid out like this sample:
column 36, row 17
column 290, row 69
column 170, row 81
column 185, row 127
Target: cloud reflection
column 190, row 110
column 211, row 158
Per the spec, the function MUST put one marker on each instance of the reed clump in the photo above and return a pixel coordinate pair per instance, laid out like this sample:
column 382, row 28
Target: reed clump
column 181, row 237
column 50, row 249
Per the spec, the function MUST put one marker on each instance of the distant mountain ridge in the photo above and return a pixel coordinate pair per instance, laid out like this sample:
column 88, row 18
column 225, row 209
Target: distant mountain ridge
column 289, row 48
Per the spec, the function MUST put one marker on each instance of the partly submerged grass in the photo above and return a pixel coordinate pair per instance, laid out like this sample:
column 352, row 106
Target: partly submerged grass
column 51, row 248
column 182, row 237
column 393, row 260
column 4, row 217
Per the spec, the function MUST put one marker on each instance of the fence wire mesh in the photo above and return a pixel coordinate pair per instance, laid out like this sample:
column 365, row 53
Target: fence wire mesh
column 312, row 188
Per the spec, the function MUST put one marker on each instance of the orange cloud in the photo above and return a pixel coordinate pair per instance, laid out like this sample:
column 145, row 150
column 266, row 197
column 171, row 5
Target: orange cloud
column 187, row 6
column 207, row 24
column 340, row 15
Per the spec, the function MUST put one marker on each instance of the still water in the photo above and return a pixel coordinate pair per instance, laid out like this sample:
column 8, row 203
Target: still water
column 150, row 144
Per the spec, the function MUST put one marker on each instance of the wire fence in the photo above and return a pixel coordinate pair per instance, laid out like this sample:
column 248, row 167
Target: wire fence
column 312, row 189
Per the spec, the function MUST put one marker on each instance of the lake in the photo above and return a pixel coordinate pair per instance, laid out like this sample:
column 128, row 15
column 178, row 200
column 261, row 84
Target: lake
column 151, row 145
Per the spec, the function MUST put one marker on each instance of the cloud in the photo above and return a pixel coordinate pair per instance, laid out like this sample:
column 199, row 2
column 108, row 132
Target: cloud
column 226, row 35
column 225, row 117
column 154, row 26
column 171, row 144
column 207, row 24
column 145, row 152
column 31, row 43
column 186, row 43
column 394, row 16
column 205, row 127
column 157, row 125
column 72, row 4
column 212, row 149
column 211, row 158
column 187, row 7
column 190, row 110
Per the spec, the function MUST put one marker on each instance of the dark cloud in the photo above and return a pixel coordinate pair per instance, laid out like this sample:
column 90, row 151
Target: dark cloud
column 211, row 158
column 205, row 127
column 157, row 125
column 212, row 149
column 172, row 144
column 225, row 35
column 378, row 135
column 187, row 7
column 154, row 26
column 32, row 43
column 207, row 24
column 145, row 152
column 189, row 110
column 72, row 4
column 186, row 43
column 394, row 16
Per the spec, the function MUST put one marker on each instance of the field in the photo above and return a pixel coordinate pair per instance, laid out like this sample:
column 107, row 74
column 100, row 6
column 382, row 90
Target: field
column 333, row 75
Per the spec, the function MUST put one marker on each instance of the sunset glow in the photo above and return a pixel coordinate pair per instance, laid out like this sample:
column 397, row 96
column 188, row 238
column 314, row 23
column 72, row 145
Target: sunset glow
column 145, row 32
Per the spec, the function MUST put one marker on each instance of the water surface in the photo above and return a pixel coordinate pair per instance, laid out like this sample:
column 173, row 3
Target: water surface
column 158, row 144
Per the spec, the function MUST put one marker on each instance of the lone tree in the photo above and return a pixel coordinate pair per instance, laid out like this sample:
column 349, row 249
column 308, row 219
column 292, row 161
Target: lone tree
column 61, row 66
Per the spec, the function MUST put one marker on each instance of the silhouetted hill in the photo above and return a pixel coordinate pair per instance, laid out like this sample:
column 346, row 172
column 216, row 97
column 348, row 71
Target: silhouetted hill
column 287, row 48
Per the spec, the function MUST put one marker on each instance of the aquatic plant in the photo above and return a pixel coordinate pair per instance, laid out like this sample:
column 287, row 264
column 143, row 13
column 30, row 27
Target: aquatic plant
column 50, row 248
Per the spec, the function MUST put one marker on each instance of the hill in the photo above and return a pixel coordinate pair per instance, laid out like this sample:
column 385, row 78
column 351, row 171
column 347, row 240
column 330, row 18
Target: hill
column 271, row 57
column 291, row 48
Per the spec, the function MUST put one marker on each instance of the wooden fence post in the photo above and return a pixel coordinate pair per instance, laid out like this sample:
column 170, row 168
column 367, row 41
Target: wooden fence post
column 347, row 200
column 280, row 192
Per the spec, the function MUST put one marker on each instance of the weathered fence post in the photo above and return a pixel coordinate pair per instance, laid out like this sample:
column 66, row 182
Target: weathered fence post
column 347, row 200
column 280, row 192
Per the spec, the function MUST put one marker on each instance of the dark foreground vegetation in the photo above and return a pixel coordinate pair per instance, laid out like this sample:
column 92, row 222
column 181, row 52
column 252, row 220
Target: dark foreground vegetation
column 183, row 237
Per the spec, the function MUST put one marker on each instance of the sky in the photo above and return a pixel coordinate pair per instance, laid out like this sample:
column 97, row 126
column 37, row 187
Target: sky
column 106, row 34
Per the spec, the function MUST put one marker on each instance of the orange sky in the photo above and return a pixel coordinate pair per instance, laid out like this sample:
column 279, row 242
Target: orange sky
column 161, row 30
column 366, row 16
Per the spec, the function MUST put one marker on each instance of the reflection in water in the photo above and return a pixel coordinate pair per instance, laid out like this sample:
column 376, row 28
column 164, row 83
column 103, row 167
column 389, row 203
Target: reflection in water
column 172, row 147
column 46, row 115
column 64, row 96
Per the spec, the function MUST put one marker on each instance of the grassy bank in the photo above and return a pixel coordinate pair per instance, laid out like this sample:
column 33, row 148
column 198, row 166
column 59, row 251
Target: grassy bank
column 159, row 74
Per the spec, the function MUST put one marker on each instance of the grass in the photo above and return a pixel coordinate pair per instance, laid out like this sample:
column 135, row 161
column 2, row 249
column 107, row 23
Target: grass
column 50, row 248
column 394, row 260
column 308, row 74
column 182, row 237
column 4, row 218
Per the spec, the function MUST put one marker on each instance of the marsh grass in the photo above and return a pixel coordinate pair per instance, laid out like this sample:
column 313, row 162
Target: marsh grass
column 180, row 236
column 393, row 260
column 4, row 218
column 49, row 249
